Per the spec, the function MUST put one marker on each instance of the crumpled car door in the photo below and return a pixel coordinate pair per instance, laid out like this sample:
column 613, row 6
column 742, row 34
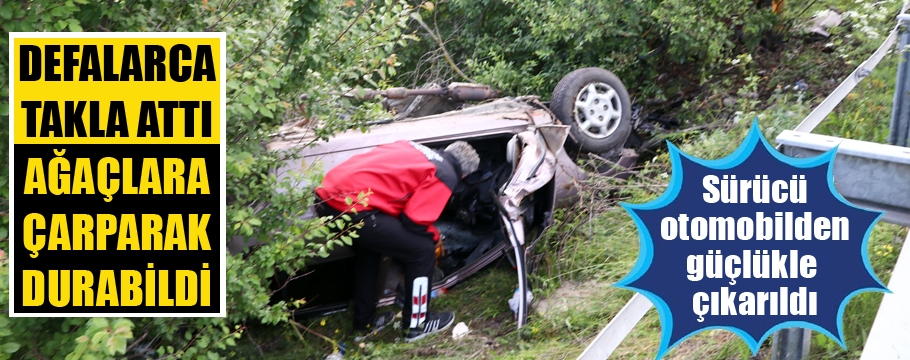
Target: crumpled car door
column 536, row 154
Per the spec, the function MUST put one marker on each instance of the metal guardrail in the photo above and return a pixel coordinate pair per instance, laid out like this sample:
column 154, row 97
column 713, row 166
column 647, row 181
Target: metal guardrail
column 856, row 164
column 890, row 334
column 826, row 106
column 865, row 173
column 613, row 334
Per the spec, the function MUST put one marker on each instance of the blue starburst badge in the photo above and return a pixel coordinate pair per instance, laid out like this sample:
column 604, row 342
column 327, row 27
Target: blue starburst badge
column 751, row 243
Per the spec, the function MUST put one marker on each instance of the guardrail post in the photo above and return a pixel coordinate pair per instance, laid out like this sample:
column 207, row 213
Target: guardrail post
column 791, row 344
column 900, row 111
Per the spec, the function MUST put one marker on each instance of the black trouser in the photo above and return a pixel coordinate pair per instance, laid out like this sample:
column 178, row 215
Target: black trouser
column 383, row 234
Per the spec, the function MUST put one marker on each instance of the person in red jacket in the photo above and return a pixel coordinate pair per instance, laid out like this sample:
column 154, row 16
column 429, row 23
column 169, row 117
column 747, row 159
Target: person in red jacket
column 407, row 185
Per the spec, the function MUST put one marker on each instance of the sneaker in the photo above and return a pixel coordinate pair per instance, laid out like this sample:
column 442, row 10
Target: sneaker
column 379, row 322
column 434, row 323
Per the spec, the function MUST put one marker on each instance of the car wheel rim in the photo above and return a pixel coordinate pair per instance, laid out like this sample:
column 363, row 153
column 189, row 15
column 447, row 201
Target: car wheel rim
column 598, row 110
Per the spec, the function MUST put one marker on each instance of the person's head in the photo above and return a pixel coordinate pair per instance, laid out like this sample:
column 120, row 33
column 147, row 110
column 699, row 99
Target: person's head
column 467, row 157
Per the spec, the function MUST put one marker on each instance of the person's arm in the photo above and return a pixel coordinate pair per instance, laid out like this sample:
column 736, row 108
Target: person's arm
column 425, row 206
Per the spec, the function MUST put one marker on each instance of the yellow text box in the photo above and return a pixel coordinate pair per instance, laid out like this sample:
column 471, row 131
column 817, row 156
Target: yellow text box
column 119, row 90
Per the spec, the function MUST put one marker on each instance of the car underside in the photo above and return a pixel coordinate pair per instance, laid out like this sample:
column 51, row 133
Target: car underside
column 500, row 210
column 473, row 236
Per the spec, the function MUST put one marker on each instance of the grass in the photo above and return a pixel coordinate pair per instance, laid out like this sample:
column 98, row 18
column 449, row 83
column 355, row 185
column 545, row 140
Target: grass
column 481, row 304
column 595, row 244
column 865, row 113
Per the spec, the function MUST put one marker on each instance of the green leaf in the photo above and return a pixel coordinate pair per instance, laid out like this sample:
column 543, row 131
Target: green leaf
column 255, row 221
column 266, row 112
column 97, row 324
column 99, row 337
column 238, row 216
column 10, row 347
column 75, row 27
column 80, row 349
column 6, row 12
column 122, row 325
column 59, row 11
column 116, row 345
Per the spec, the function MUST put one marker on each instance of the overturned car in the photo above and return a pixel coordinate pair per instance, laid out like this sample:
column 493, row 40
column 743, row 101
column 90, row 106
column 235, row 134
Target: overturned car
column 526, row 171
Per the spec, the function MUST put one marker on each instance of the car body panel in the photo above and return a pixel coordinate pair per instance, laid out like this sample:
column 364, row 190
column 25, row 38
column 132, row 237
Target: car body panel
column 535, row 168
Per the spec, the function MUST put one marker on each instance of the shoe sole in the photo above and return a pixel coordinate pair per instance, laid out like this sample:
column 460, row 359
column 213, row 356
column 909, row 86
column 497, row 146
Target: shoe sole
column 374, row 332
column 421, row 336
column 367, row 336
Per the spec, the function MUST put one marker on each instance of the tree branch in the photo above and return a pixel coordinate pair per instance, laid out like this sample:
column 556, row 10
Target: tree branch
column 445, row 52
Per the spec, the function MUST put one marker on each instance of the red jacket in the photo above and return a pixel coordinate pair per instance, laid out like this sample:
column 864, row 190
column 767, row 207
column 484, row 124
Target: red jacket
column 407, row 180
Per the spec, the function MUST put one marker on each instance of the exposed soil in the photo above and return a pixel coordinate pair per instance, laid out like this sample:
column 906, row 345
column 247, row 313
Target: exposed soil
column 569, row 295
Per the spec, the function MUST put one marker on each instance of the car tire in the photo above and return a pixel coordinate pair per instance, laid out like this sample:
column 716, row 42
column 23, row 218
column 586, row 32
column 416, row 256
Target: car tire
column 596, row 106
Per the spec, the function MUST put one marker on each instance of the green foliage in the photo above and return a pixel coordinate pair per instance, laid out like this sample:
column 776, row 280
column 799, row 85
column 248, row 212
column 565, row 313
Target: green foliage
column 47, row 15
column 7, row 347
column 705, row 32
column 525, row 47
column 865, row 114
column 102, row 339
column 35, row 335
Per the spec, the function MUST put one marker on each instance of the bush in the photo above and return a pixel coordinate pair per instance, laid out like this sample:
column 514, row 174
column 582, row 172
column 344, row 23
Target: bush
column 525, row 47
